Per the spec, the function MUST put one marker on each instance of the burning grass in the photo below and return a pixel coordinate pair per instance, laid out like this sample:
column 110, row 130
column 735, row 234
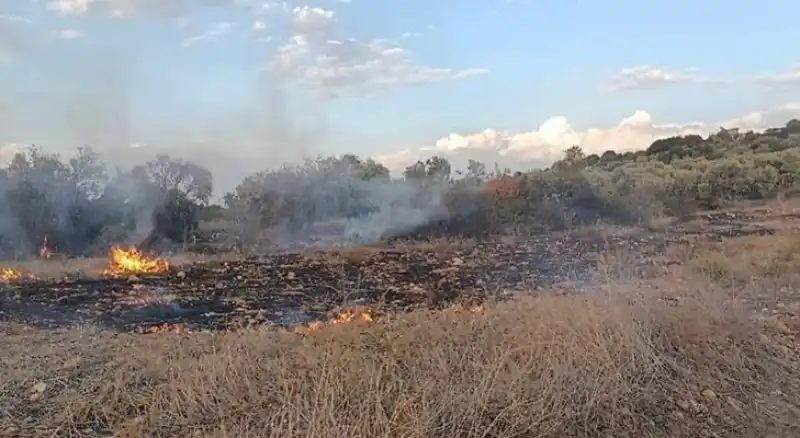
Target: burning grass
column 686, row 354
column 120, row 261
column 126, row 261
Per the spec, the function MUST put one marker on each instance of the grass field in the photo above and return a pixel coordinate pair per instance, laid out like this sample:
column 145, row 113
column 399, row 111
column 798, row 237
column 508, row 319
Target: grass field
column 705, row 346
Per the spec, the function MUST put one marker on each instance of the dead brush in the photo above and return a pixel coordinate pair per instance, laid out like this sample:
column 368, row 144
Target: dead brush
column 740, row 260
column 618, row 263
column 357, row 255
column 543, row 366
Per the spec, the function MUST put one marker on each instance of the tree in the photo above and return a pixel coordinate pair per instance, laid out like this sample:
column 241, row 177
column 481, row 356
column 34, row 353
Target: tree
column 176, row 218
column 416, row 171
column 793, row 126
column 166, row 174
column 608, row 157
column 476, row 171
column 574, row 160
column 435, row 168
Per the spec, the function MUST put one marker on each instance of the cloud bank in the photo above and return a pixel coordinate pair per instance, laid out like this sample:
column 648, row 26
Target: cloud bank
column 545, row 144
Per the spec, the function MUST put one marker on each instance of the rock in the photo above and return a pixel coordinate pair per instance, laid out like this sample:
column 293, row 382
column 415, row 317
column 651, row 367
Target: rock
column 696, row 407
column 71, row 364
column 37, row 390
column 709, row 395
column 11, row 431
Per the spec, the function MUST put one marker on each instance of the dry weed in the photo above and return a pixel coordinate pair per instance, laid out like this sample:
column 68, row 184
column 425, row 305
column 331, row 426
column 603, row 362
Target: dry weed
column 677, row 356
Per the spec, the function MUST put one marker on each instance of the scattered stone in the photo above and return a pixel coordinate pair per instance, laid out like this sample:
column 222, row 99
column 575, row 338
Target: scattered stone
column 709, row 395
column 37, row 390
column 71, row 364
column 11, row 432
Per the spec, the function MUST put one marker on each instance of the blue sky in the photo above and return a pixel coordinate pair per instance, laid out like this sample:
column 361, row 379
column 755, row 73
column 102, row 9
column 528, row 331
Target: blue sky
column 513, row 81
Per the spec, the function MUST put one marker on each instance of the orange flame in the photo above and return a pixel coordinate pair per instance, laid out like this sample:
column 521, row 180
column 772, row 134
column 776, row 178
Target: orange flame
column 343, row 317
column 352, row 315
column 44, row 251
column 9, row 274
column 132, row 261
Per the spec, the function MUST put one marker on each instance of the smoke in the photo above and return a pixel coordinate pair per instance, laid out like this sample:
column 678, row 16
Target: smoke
column 333, row 201
column 350, row 210
column 98, row 91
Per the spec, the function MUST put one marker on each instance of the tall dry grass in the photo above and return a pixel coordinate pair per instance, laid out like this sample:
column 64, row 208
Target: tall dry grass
column 682, row 355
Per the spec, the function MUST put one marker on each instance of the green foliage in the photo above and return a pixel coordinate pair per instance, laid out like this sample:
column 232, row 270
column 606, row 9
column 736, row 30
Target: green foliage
column 78, row 205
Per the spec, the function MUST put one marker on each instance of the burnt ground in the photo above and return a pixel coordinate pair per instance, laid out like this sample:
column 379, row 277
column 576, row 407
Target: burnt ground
column 291, row 288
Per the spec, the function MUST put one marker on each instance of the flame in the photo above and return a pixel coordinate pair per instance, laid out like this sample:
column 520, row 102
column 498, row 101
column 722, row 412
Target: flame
column 352, row 315
column 44, row 251
column 132, row 261
column 343, row 317
column 10, row 274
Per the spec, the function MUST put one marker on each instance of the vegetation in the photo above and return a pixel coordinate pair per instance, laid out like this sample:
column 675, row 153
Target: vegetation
column 704, row 347
column 683, row 355
column 80, row 206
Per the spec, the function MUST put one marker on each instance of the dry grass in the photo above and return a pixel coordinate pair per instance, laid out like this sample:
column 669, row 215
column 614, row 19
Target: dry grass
column 677, row 356
column 59, row 267
column 748, row 259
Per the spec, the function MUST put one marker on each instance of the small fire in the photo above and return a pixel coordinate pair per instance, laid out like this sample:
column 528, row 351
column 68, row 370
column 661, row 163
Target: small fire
column 10, row 274
column 44, row 251
column 351, row 315
column 132, row 261
column 343, row 317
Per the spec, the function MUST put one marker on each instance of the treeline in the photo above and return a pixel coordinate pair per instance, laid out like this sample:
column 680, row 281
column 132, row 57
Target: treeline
column 82, row 206
column 673, row 176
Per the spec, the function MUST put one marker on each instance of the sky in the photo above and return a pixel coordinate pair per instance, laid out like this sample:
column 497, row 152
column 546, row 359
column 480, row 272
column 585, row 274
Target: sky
column 245, row 85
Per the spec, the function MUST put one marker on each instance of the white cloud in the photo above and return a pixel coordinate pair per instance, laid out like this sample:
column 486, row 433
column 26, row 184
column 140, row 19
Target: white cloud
column 648, row 77
column 70, row 6
column 411, row 34
column 545, row 144
column 127, row 8
column 259, row 26
column 333, row 66
column 68, row 34
column 212, row 34
column 790, row 77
